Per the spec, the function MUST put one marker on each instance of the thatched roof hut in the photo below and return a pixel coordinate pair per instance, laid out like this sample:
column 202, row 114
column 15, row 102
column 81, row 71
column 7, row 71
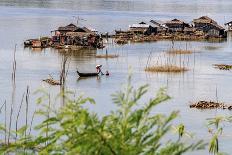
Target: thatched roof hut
column 174, row 21
column 209, row 26
column 72, row 28
column 204, row 20
column 176, row 25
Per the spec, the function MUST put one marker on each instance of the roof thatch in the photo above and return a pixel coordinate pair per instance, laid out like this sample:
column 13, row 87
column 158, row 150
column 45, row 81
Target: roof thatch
column 82, row 29
column 142, row 23
column 74, row 28
column 216, row 26
column 175, row 21
column 70, row 27
column 157, row 22
column 205, row 20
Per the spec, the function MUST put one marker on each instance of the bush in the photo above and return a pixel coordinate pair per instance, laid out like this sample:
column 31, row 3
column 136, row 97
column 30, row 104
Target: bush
column 128, row 130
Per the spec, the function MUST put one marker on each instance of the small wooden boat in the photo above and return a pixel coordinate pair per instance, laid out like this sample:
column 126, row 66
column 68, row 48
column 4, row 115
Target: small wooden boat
column 87, row 74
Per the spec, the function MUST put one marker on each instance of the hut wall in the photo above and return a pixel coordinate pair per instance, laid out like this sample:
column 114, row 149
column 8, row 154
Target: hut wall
column 175, row 27
column 151, row 30
column 213, row 32
column 200, row 25
column 138, row 31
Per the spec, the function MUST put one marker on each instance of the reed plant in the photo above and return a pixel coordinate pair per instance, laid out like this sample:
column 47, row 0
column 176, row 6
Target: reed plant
column 179, row 51
column 166, row 68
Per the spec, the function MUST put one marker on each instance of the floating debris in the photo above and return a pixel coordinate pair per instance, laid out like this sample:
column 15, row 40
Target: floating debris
column 51, row 81
column 121, row 41
column 166, row 68
column 211, row 48
column 107, row 56
column 210, row 105
column 223, row 66
column 179, row 51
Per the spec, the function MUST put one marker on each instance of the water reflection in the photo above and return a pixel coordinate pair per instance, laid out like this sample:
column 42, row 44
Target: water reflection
column 97, row 78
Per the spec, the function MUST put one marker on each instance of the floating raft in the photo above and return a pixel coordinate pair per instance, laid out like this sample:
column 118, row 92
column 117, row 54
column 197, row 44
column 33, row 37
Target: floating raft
column 210, row 105
column 51, row 81
column 223, row 66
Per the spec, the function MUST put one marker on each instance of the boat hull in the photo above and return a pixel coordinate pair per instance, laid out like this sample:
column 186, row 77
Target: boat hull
column 87, row 74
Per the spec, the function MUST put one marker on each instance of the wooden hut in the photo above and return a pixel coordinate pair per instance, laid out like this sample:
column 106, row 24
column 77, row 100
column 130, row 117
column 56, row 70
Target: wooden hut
column 142, row 29
column 209, row 26
column 176, row 25
column 215, row 30
column 72, row 34
column 203, row 22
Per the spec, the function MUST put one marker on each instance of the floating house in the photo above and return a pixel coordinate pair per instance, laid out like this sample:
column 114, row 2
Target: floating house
column 36, row 44
column 203, row 22
column 161, row 27
column 229, row 26
column 39, row 43
column 176, row 25
column 142, row 29
column 77, row 36
column 209, row 27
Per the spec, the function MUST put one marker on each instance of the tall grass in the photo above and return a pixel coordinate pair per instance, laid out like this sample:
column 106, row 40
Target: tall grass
column 167, row 63
column 179, row 51
column 166, row 68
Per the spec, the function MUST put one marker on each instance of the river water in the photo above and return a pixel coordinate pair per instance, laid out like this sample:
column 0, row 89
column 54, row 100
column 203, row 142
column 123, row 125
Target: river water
column 23, row 19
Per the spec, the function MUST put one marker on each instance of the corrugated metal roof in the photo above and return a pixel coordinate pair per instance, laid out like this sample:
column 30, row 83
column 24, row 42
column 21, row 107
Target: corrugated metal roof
column 139, row 26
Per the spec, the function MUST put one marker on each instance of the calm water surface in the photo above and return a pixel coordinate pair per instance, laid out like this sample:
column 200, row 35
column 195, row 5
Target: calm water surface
column 21, row 19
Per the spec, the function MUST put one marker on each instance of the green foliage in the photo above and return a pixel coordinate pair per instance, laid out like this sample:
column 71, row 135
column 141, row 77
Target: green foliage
column 215, row 127
column 130, row 129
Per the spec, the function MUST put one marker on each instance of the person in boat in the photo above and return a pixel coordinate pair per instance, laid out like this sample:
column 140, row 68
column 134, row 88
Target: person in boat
column 98, row 67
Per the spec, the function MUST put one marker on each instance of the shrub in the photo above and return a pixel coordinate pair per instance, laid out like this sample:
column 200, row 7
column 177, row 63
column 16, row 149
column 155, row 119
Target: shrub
column 128, row 130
